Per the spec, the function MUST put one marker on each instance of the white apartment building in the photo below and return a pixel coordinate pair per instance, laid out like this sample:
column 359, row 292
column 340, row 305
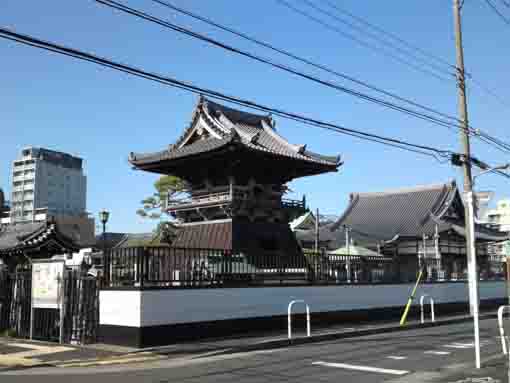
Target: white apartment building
column 500, row 216
column 47, row 183
column 50, row 185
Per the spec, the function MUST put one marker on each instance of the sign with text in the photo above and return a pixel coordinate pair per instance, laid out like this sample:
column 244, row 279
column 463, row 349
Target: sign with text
column 47, row 279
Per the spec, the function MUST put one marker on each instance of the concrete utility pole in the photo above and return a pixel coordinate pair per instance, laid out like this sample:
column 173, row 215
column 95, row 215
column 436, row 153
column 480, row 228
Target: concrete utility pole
column 317, row 231
column 348, row 259
column 468, row 187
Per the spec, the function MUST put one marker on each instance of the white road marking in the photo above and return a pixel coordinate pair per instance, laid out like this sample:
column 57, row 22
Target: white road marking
column 396, row 357
column 36, row 350
column 362, row 368
column 466, row 345
column 456, row 346
column 438, row 352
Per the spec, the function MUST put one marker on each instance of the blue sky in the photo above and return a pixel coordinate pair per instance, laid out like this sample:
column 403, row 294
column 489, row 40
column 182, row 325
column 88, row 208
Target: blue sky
column 101, row 115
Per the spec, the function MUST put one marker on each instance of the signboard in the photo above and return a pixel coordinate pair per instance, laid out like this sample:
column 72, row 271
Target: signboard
column 47, row 278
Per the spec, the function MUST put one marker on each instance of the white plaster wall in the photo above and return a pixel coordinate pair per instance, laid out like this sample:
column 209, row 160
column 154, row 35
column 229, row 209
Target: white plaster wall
column 120, row 308
column 181, row 306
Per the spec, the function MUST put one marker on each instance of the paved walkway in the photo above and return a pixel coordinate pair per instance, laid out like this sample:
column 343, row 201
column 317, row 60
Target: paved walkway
column 21, row 353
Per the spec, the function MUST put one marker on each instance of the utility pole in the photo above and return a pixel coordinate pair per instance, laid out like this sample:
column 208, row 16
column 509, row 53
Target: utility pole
column 468, row 184
column 317, row 231
column 348, row 259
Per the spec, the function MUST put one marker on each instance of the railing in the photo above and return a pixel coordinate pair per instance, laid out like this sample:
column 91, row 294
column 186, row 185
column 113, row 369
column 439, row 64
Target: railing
column 173, row 204
column 292, row 204
column 238, row 194
column 171, row 267
column 185, row 267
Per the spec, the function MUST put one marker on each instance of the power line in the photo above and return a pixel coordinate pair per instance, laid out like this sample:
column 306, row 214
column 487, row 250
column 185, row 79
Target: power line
column 164, row 23
column 329, row 84
column 497, row 11
column 378, row 37
column 390, row 35
column 382, row 31
column 166, row 80
column 362, row 42
column 300, row 58
column 471, row 130
column 489, row 91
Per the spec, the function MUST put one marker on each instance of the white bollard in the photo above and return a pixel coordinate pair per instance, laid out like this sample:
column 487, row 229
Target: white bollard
column 502, row 329
column 289, row 323
column 432, row 313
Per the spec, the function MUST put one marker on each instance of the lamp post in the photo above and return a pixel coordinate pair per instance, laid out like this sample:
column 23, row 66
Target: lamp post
column 103, row 217
column 472, row 264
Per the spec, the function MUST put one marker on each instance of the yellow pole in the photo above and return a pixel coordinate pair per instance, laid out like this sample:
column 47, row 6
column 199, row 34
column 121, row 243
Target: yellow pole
column 408, row 306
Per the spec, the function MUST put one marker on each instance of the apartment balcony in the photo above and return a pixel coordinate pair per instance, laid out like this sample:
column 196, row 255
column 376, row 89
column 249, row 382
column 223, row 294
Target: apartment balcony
column 20, row 178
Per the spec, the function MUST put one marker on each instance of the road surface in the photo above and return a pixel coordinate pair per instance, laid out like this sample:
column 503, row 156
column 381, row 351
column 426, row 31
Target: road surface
column 376, row 358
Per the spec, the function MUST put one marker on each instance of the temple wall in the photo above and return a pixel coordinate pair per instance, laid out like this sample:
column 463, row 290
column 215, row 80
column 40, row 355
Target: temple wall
column 151, row 317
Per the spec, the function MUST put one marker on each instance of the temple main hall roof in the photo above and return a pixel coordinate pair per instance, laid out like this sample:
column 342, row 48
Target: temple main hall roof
column 216, row 126
column 409, row 212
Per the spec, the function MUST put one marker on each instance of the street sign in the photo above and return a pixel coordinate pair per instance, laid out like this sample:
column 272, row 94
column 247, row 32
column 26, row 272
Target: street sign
column 47, row 278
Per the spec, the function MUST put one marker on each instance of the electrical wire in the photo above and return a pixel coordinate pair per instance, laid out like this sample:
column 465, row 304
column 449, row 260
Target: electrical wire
column 498, row 12
column 145, row 16
column 363, row 43
column 85, row 56
column 300, row 58
column 336, row 86
column 489, row 91
column 378, row 37
column 390, row 35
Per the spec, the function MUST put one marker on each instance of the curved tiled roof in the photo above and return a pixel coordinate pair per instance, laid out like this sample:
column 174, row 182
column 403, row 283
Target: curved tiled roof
column 254, row 131
column 33, row 235
column 409, row 212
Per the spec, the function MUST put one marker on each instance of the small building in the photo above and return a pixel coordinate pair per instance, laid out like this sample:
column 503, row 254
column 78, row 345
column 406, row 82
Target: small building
column 420, row 227
column 237, row 167
column 33, row 240
column 305, row 231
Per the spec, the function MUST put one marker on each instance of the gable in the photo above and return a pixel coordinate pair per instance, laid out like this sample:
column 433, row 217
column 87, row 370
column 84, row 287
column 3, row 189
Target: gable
column 200, row 131
column 455, row 208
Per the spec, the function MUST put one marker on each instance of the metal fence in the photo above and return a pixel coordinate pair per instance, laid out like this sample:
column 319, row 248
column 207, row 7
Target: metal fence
column 170, row 267
column 186, row 267
column 80, row 309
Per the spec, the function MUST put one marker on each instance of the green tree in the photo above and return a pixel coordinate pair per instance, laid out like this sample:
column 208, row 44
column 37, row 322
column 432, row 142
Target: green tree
column 167, row 187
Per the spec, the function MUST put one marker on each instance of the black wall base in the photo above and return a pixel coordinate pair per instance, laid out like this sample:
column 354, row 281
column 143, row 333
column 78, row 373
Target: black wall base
column 141, row 337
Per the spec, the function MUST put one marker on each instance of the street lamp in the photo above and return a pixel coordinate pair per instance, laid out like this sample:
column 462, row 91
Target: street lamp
column 103, row 217
column 472, row 264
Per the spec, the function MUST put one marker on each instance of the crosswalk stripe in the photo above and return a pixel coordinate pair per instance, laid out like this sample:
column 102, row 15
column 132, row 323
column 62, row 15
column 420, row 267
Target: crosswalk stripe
column 396, row 357
column 362, row 368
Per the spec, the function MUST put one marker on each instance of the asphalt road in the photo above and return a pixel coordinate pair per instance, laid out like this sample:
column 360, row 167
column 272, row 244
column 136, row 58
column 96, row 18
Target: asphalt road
column 367, row 359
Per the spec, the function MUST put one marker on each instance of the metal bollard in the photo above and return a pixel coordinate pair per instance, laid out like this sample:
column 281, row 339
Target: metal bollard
column 289, row 324
column 432, row 313
column 502, row 329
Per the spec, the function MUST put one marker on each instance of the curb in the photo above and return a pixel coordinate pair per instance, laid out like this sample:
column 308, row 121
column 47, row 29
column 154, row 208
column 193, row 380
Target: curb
column 281, row 343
